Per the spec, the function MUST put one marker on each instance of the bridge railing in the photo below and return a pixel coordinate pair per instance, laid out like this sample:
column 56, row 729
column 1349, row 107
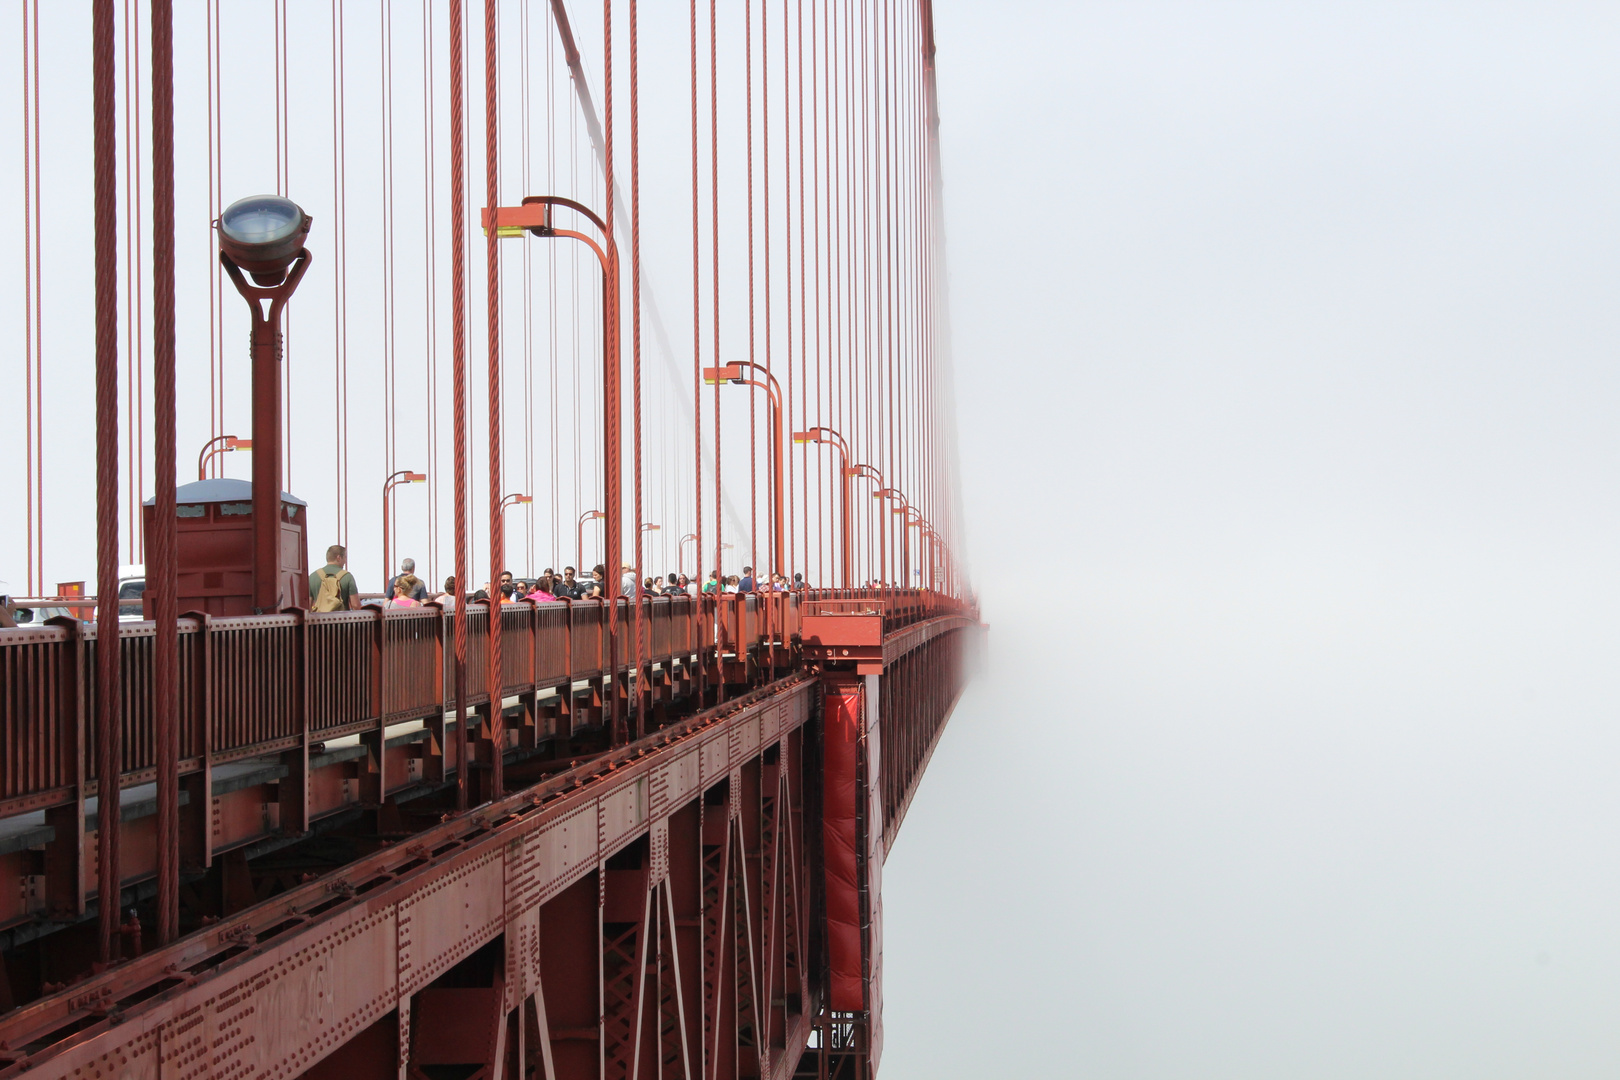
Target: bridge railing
column 241, row 694
column 899, row 607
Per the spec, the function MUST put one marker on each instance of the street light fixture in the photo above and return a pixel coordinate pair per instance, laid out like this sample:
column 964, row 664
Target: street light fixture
column 646, row 527
column 219, row 444
column 832, row 438
column 680, row 552
column 515, row 499
column 401, row 477
column 733, row 373
column 535, row 217
column 899, row 496
column 936, row 551
column 589, row 515
column 870, row 472
column 262, row 237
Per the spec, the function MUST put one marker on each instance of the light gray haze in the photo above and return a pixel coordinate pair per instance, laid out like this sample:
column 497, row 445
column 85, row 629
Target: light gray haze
column 1286, row 347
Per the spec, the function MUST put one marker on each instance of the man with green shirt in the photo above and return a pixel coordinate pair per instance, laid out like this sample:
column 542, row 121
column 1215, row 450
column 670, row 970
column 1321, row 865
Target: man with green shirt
column 332, row 588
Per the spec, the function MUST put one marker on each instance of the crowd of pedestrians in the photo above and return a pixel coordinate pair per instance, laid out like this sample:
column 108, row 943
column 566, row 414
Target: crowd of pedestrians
column 333, row 588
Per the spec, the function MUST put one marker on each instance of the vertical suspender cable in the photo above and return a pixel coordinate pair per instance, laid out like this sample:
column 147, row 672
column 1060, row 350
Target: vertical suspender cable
column 612, row 503
column 528, row 293
column 849, row 211
column 283, row 186
column 697, row 354
column 492, row 284
column 836, row 223
column 216, row 162
column 714, row 259
column 573, row 326
column 835, row 289
column 818, row 80
column 109, row 734
column 430, row 306
column 28, row 309
column 134, row 343
column 161, row 560
column 773, row 529
column 385, row 77
column 788, row 300
column 804, row 310
column 340, row 279
column 893, row 285
column 748, row 156
column 551, row 311
column 33, row 325
column 458, row 349
column 643, row 701
column 212, row 52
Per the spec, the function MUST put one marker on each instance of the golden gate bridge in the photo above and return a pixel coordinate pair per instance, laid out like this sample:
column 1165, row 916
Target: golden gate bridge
column 632, row 830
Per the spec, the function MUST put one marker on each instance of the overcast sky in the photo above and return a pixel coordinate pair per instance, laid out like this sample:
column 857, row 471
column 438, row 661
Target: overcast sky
column 1285, row 337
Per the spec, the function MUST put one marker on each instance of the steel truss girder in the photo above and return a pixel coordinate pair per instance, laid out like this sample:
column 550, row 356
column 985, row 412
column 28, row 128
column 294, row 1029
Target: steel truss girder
column 277, row 989
column 656, row 913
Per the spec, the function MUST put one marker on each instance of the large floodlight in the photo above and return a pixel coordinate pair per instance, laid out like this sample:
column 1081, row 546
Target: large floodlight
column 263, row 234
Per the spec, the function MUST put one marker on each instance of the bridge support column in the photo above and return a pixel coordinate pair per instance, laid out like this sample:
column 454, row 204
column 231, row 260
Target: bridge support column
column 850, row 645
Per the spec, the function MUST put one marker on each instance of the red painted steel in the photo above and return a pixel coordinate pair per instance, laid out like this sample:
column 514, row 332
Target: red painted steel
column 106, row 308
column 162, row 559
column 244, row 673
column 840, row 801
column 751, row 884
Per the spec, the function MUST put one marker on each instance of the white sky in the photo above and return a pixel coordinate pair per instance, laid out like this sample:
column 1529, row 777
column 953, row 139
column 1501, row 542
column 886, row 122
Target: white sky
column 1285, row 338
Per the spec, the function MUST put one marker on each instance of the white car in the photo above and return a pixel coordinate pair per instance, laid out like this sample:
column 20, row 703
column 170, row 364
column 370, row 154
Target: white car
column 131, row 586
column 36, row 616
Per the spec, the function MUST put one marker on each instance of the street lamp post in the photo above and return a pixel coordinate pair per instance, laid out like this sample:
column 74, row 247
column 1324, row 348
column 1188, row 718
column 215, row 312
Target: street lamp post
column 262, row 237
column 832, row 438
column 733, row 373
column 870, row 472
column 936, row 551
column 401, row 477
column 515, row 499
column 589, row 515
column 680, row 552
column 646, row 527
column 534, row 216
column 897, row 495
column 219, row 444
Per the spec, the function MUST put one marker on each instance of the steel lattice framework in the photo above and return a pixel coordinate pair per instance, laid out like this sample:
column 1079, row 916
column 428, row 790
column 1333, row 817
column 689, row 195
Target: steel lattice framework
column 699, row 902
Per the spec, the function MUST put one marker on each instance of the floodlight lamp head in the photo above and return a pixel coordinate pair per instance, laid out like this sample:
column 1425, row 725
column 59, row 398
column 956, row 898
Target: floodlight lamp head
column 233, row 443
column 263, row 234
column 415, row 478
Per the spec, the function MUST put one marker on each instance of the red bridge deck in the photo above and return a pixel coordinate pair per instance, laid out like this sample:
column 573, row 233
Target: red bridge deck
column 683, row 905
